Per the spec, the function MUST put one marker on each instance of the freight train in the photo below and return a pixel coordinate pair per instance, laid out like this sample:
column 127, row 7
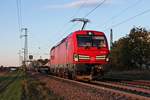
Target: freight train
column 82, row 55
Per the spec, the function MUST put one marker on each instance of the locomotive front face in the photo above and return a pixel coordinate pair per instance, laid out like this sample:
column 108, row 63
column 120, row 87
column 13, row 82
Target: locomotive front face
column 91, row 48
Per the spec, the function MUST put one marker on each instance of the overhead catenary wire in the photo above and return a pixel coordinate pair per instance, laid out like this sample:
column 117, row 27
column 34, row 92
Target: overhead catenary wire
column 90, row 12
column 81, row 7
column 121, row 12
column 128, row 19
column 19, row 21
column 87, row 14
column 78, row 10
column 72, row 17
column 19, row 14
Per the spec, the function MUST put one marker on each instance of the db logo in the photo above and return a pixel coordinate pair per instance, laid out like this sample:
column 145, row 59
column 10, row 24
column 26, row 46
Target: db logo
column 92, row 58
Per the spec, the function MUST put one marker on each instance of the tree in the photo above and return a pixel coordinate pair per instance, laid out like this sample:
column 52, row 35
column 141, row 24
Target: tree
column 140, row 46
column 132, row 51
column 43, row 61
column 120, row 54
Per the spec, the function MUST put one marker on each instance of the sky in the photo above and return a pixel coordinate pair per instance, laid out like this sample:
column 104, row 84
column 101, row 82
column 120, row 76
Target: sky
column 48, row 21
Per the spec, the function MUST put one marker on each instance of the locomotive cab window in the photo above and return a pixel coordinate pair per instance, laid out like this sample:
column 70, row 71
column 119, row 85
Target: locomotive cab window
column 98, row 41
column 91, row 41
column 84, row 40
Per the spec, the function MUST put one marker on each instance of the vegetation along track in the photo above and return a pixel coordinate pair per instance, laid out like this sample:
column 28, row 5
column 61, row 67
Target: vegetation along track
column 10, row 88
column 7, row 80
column 33, row 89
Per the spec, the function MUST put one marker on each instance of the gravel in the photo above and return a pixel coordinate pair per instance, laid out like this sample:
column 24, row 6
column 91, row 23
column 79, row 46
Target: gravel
column 73, row 92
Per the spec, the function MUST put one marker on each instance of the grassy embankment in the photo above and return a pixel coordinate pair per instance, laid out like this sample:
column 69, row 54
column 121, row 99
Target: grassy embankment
column 19, row 86
column 33, row 89
column 10, row 86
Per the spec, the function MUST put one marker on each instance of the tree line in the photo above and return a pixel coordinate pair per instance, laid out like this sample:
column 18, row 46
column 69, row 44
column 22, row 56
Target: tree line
column 132, row 51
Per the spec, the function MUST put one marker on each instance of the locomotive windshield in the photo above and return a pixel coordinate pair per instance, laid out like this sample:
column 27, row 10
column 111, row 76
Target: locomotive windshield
column 91, row 41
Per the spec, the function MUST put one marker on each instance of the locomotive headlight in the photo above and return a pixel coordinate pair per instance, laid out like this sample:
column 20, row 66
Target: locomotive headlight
column 90, row 33
column 107, row 59
column 76, row 57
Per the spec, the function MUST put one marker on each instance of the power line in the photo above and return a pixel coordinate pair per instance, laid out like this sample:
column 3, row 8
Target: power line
column 75, row 14
column 78, row 10
column 19, row 14
column 83, row 4
column 91, row 11
column 126, row 20
column 100, row 4
column 122, row 11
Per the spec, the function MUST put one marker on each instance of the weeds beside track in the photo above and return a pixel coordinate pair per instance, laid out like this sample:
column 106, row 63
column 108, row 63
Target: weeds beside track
column 33, row 89
column 10, row 88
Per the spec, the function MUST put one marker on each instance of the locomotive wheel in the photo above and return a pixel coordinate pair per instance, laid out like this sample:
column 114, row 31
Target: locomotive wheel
column 72, row 75
column 69, row 75
column 65, row 73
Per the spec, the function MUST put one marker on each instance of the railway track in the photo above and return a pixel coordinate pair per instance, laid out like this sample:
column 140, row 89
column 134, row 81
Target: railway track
column 139, row 83
column 118, row 91
column 144, row 84
column 124, row 87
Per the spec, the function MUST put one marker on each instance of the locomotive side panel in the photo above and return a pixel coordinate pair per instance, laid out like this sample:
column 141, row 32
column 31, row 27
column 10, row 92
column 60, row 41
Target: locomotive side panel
column 70, row 49
column 62, row 54
column 61, row 57
column 58, row 55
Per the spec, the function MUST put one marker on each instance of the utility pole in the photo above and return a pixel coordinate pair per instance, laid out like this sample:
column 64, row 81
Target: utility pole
column 20, row 58
column 111, row 38
column 25, row 46
column 85, row 21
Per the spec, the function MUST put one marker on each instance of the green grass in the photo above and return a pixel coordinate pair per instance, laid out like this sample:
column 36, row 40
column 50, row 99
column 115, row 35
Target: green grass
column 13, row 90
column 8, row 76
column 20, row 86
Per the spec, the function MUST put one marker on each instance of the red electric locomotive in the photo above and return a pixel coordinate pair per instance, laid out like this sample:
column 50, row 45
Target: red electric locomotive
column 81, row 55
